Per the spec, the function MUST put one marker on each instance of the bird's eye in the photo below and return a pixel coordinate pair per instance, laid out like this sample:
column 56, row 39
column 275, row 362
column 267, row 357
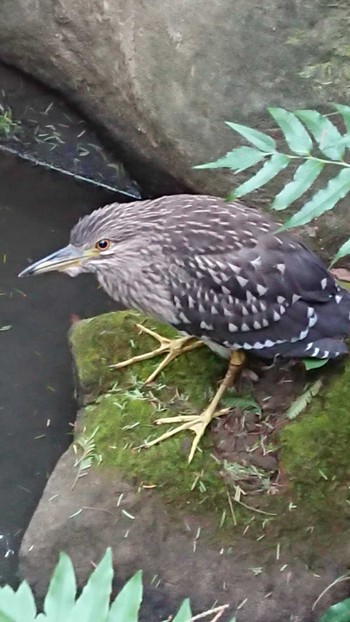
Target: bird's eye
column 102, row 245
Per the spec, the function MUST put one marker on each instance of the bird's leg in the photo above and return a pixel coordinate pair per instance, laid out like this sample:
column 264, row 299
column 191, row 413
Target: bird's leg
column 198, row 423
column 171, row 347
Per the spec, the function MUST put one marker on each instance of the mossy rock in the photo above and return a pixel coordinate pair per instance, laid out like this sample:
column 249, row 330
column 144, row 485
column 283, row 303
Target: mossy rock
column 121, row 412
column 315, row 455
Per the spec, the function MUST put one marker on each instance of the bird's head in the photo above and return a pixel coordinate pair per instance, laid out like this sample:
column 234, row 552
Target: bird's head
column 94, row 242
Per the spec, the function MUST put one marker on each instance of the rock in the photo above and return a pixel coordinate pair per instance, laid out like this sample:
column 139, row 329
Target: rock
column 173, row 520
column 160, row 78
column 104, row 510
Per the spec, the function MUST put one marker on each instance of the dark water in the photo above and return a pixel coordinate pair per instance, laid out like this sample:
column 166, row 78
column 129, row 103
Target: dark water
column 37, row 210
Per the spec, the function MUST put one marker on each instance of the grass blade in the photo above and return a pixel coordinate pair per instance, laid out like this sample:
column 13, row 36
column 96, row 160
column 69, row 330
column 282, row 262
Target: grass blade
column 324, row 132
column 323, row 201
column 238, row 159
column 304, row 177
column 294, row 132
column 342, row 252
column 258, row 139
column 270, row 169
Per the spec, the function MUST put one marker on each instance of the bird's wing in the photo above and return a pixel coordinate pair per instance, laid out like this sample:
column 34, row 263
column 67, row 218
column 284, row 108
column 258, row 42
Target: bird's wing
column 257, row 295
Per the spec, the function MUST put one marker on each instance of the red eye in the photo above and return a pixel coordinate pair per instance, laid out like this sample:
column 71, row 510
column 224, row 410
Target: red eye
column 102, row 245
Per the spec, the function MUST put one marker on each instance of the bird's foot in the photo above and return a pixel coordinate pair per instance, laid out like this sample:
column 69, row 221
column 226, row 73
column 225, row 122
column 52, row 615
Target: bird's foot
column 199, row 423
column 171, row 347
column 195, row 423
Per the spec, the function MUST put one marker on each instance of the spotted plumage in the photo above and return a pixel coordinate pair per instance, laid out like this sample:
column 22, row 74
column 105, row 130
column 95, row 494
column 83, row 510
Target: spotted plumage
column 218, row 271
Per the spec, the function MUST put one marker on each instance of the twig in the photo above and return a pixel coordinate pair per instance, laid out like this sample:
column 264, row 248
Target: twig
column 217, row 610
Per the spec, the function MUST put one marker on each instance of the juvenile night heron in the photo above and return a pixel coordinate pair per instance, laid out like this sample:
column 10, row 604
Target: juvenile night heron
column 218, row 271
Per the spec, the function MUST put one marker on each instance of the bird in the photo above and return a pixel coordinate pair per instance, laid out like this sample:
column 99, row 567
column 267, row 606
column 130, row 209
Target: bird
column 221, row 273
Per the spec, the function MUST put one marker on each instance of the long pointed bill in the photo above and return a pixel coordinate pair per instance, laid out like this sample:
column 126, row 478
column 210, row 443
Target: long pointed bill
column 65, row 259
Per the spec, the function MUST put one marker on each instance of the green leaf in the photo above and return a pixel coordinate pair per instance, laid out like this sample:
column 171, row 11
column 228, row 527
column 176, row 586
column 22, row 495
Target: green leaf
column 337, row 613
column 247, row 404
column 238, row 159
column 324, row 132
column 258, row 139
column 25, row 599
column 93, row 603
column 60, row 598
column 271, row 168
column 342, row 252
column 184, row 614
column 126, row 606
column 314, row 363
column 294, row 132
column 344, row 141
column 345, row 113
column 303, row 400
column 336, row 189
column 17, row 606
column 303, row 178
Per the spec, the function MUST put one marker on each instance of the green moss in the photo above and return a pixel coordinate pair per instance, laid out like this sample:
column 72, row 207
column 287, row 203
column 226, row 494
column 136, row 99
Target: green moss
column 314, row 448
column 330, row 78
column 101, row 341
column 315, row 455
column 123, row 411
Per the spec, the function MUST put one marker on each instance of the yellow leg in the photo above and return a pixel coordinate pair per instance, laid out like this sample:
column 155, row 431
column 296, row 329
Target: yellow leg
column 198, row 423
column 173, row 348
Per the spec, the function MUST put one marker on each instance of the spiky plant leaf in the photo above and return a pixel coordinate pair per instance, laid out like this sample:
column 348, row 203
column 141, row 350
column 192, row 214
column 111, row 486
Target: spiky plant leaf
column 323, row 201
column 258, row 139
column 324, row 132
column 238, row 160
column 60, row 597
column 345, row 113
column 344, row 250
column 337, row 613
column 303, row 400
column 125, row 607
column 93, row 603
column 294, row 132
column 17, row 606
column 184, row 614
column 304, row 177
column 271, row 168
column 25, row 600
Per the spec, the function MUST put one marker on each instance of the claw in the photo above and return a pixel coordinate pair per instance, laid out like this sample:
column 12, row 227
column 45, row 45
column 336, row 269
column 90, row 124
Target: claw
column 199, row 423
column 173, row 348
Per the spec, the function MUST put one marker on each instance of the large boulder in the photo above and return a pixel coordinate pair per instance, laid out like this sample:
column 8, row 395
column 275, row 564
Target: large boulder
column 257, row 520
column 161, row 77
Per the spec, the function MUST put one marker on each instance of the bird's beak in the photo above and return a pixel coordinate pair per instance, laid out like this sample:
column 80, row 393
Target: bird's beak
column 64, row 259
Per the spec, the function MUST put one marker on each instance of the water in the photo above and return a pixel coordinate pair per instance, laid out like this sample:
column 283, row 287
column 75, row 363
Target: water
column 37, row 408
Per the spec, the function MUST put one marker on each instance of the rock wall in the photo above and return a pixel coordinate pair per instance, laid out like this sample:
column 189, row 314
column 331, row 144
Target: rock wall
column 161, row 77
